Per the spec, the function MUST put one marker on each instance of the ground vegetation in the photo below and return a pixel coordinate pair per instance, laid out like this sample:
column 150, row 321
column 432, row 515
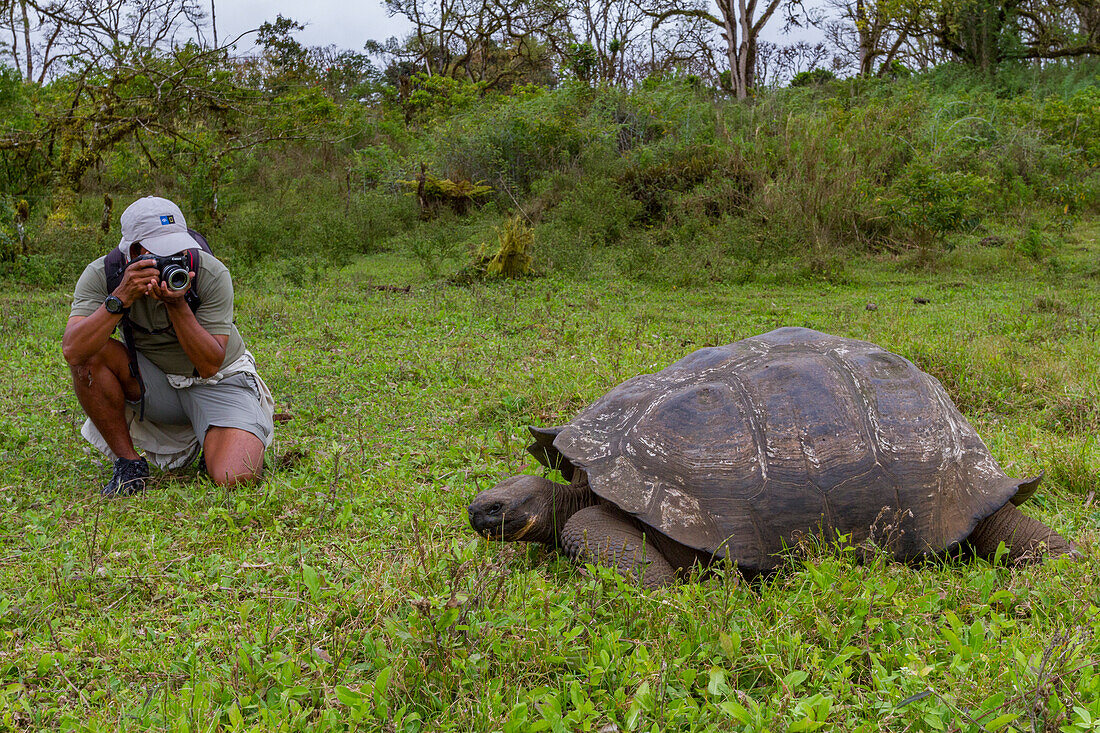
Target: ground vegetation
column 436, row 246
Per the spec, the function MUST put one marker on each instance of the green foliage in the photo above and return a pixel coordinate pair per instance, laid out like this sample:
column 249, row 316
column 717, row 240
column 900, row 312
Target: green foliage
column 813, row 77
column 287, row 58
column 641, row 180
column 511, row 142
column 21, row 168
column 346, row 591
column 654, row 180
column 1075, row 122
column 259, row 231
column 583, row 61
column 511, row 256
column 433, row 97
column 933, row 204
column 460, row 196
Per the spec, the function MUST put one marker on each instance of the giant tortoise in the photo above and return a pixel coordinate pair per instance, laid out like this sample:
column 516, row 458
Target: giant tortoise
column 737, row 451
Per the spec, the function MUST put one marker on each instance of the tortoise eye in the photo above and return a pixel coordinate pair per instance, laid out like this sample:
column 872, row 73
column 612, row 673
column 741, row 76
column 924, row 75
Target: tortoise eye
column 495, row 508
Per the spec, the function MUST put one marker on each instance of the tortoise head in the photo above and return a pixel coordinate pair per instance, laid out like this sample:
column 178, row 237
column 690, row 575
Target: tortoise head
column 526, row 508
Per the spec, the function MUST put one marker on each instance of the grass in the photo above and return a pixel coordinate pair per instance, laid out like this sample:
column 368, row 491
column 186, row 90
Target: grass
column 347, row 592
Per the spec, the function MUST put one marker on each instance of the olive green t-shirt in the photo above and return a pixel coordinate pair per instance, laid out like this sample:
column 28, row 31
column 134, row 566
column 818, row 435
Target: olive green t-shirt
column 215, row 314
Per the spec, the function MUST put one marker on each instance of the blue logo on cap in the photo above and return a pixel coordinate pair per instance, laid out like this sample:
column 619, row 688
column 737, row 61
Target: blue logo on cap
column 169, row 219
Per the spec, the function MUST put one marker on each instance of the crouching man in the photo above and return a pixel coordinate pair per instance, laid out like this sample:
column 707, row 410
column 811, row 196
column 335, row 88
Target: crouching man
column 181, row 379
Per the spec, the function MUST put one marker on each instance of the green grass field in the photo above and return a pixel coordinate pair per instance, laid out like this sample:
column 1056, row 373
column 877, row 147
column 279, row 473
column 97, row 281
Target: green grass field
column 347, row 592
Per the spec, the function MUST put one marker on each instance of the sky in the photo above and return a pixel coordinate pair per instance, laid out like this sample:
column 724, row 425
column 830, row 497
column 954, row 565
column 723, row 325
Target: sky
column 345, row 23
column 350, row 23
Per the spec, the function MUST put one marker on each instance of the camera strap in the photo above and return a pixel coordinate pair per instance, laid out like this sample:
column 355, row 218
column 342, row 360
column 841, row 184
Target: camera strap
column 114, row 266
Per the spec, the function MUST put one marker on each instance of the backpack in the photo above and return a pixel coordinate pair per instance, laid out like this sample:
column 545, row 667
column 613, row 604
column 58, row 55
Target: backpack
column 114, row 266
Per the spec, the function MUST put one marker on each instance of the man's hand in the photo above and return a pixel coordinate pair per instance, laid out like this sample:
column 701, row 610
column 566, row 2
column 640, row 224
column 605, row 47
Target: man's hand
column 166, row 295
column 138, row 280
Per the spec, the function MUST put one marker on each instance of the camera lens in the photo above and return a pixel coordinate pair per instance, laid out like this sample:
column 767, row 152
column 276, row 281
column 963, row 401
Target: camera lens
column 175, row 277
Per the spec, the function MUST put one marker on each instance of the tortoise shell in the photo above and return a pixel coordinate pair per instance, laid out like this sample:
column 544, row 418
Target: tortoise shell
column 738, row 450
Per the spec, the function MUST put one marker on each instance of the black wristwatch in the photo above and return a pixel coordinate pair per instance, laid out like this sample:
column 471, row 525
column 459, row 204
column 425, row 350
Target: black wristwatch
column 114, row 305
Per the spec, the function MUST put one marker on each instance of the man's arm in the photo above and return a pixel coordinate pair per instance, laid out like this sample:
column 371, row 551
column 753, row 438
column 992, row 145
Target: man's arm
column 86, row 335
column 204, row 350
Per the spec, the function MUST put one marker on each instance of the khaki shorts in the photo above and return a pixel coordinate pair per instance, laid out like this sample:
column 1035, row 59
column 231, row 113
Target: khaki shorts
column 234, row 402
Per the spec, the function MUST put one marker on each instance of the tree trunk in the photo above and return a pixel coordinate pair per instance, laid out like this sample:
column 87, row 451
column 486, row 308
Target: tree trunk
column 214, row 23
column 27, row 40
column 14, row 38
column 863, row 30
column 731, row 46
column 744, row 59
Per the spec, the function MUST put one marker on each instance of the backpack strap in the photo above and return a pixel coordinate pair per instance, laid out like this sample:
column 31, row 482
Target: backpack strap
column 193, row 260
column 127, row 327
column 203, row 244
column 114, row 266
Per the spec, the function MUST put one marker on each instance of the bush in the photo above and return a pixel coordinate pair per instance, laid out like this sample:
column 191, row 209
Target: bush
column 813, row 77
column 353, row 223
column 649, row 179
column 510, row 256
column 932, row 203
column 512, row 142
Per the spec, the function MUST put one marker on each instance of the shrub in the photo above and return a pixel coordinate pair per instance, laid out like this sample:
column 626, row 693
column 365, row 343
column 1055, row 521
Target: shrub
column 438, row 96
column 813, row 77
column 512, row 142
column 459, row 196
column 511, row 256
column 591, row 216
column 654, row 183
column 1032, row 243
column 932, row 203
column 296, row 225
column 1075, row 122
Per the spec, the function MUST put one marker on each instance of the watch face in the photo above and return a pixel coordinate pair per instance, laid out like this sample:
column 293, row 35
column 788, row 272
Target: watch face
column 113, row 304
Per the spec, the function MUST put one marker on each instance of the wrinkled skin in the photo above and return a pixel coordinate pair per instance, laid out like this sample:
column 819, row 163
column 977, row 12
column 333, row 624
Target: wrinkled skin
column 572, row 519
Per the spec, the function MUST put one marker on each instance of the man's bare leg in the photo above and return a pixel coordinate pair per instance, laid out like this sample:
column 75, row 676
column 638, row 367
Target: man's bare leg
column 233, row 456
column 103, row 383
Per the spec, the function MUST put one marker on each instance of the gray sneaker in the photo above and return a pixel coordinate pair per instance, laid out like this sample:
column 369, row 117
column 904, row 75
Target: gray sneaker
column 129, row 478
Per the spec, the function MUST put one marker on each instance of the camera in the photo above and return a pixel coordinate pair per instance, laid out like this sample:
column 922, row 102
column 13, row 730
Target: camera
column 173, row 270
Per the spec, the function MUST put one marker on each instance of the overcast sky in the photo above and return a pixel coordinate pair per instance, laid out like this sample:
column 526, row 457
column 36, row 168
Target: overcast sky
column 348, row 24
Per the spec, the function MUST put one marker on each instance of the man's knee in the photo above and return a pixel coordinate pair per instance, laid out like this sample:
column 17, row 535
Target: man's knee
column 240, row 477
column 233, row 456
column 104, row 364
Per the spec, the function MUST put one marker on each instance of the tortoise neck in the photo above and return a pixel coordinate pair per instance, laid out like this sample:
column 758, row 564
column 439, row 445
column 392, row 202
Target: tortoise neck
column 565, row 501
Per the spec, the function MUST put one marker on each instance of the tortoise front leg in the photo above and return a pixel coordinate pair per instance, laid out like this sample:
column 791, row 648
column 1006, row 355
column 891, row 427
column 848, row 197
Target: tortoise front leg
column 1025, row 537
column 604, row 535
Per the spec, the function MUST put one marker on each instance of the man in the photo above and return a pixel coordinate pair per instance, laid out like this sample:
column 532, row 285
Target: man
column 188, row 383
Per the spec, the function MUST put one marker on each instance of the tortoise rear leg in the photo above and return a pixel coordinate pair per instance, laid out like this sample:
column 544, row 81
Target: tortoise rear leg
column 1026, row 538
column 603, row 535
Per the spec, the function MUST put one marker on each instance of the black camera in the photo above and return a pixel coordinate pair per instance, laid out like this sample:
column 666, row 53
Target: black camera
column 173, row 270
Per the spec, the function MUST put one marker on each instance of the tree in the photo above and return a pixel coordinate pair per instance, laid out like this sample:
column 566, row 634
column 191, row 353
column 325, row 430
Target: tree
column 776, row 64
column 35, row 37
column 496, row 42
column 345, row 74
column 977, row 32
column 286, row 61
column 984, row 33
column 131, row 81
column 1057, row 29
column 740, row 23
column 599, row 39
column 874, row 33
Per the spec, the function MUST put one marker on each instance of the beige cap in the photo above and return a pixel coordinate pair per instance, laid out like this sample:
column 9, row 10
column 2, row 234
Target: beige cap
column 159, row 226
